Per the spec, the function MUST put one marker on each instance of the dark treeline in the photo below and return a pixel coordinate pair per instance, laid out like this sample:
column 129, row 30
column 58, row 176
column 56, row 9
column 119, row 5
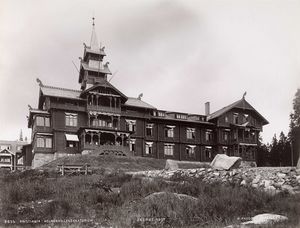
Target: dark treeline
column 283, row 150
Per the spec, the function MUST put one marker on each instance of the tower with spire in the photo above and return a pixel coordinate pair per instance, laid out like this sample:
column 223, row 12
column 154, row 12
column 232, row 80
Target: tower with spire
column 93, row 70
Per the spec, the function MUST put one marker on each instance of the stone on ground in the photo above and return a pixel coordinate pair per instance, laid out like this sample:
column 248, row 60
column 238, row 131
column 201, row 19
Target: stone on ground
column 222, row 161
column 266, row 219
column 171, row 165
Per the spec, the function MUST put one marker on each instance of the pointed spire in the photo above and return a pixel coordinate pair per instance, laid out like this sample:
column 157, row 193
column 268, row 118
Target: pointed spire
column 94, row 41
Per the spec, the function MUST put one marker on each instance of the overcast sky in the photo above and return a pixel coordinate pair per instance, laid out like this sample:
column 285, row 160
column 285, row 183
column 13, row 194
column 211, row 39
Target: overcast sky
column 179, row 54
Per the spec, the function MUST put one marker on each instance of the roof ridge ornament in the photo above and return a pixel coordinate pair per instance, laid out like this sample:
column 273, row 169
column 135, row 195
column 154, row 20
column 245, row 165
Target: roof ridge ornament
column 140, row 96
column 244, row 95
column 39, row 82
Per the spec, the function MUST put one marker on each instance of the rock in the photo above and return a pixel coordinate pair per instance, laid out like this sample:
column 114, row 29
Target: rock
column 178, row 196
column 268, row 183
column 171, row 165
column 222, row 161
column 216, row 174
column 288, row 188
column 266, row 219
column 281, row 175
column 271, row 190
column 243, row 183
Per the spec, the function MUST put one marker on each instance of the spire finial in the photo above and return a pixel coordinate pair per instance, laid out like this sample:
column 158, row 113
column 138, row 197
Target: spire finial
column 244, row 95
column 94, row 41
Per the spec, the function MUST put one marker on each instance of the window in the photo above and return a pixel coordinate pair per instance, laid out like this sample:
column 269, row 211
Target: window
column 132, row 145
column 43, row 121
column 247, row 133
column 246, row 117
column 190, row 133
column 161, row 114
column 169, row 131
column 169, row 149
column 71, row 119
column 208, row 135
column 71, row 140
column 148, row 147
column 130, row 125
column 226, row 119
column 190, row 150
column 44, row 142
column 208, row 152
column 235, row 118
column 149, row 129
column 225, row 150
column 226, row 135
column 181, row 116
column 95, row 64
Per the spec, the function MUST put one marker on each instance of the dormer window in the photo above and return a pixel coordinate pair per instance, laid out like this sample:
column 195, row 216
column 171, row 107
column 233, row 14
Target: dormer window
column 181, row 116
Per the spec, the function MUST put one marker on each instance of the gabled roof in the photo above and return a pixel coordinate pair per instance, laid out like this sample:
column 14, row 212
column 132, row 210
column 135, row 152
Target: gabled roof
column 135, row 102
column 6, row 151
column 241, row 104
column 52, row 91
column 104, row 83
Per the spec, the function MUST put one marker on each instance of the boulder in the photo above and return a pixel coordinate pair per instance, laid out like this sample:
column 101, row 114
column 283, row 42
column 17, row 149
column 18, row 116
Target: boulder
column 159, row 195
column 222, row 161
column 171, row 165
column 266, row 219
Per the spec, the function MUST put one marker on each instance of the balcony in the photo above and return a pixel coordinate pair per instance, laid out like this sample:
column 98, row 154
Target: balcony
column 97, row 108
column 244, row 140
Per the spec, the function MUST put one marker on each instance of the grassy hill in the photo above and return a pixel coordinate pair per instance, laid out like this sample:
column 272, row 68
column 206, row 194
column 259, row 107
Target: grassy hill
column 110, row 163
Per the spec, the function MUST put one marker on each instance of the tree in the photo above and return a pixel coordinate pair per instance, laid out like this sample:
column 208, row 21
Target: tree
column 294, row 132
column 274, row 153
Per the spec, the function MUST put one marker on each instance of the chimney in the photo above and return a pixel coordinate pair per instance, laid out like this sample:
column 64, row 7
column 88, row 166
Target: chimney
column 207, row 108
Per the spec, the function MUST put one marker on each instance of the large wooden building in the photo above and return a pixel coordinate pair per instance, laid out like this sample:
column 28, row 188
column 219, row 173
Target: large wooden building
column 99, row 118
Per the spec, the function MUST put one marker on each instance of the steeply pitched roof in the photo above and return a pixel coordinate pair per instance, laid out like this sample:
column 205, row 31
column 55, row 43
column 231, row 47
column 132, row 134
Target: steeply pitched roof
column 242, row 104
column 60, row 92
column 135, row 102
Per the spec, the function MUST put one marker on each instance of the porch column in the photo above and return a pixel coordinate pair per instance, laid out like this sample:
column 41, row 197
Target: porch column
column 92, row 136
column 110, row 102
column 83, row 138
column 122, row 137
column 89, row 119
column 115, row 101
column 119, row 122
column 92, row 96
column 99, row 134
column 97, row 100
column 112, row 121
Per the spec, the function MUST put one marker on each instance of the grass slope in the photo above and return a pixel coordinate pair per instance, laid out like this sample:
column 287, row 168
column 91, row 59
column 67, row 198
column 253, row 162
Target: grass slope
column 110, row 163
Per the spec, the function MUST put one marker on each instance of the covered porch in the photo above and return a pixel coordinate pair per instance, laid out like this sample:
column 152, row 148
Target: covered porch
column 91, row 139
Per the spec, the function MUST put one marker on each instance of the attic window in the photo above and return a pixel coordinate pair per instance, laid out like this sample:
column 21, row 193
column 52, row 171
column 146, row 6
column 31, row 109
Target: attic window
column 181, row 116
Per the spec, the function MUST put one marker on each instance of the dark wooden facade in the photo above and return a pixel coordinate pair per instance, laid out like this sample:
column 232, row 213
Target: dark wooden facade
column 99, row 116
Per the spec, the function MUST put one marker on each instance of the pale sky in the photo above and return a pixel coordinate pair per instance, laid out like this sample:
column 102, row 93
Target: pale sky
column 179, row 54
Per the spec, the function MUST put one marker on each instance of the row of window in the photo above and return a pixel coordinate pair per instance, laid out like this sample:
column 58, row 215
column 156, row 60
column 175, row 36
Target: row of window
column 169, row 149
